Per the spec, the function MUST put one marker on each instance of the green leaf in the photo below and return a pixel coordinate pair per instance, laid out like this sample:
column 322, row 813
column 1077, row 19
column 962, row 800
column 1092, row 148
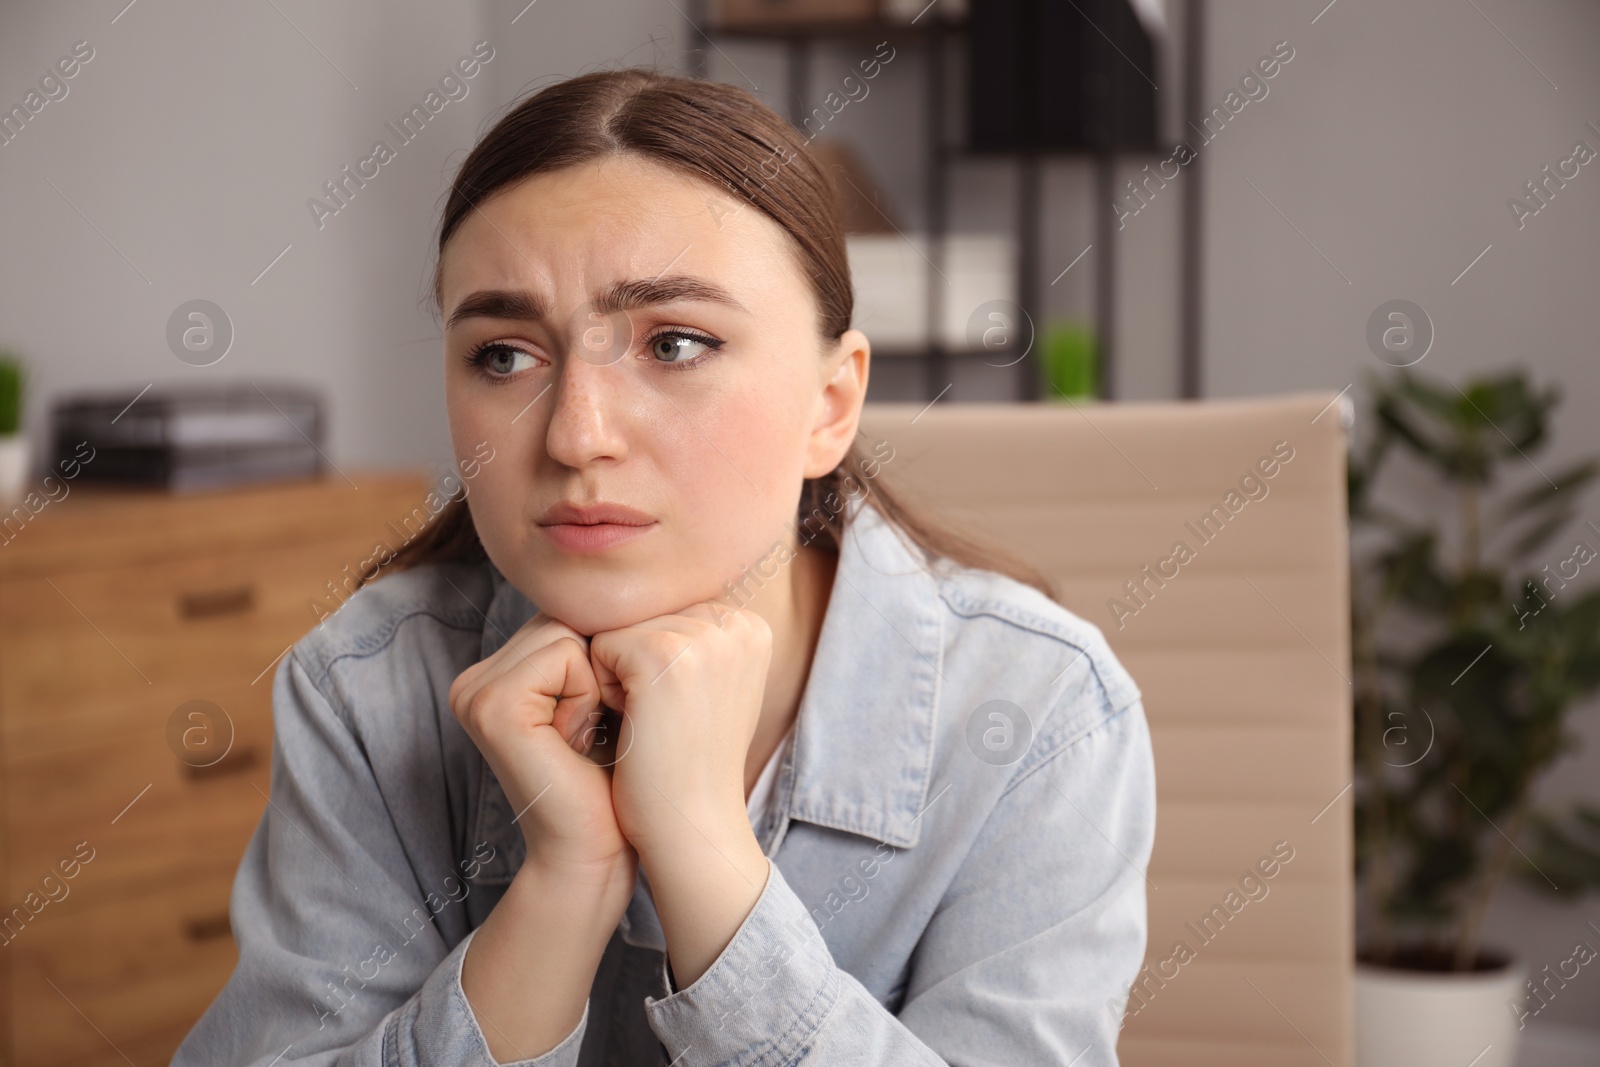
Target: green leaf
column 1539, row 534
column 1565, row 851
column 1566, row 484
column 12, row 383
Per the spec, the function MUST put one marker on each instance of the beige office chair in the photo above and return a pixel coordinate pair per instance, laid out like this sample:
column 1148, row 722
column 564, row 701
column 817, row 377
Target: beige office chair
column 1241, row 648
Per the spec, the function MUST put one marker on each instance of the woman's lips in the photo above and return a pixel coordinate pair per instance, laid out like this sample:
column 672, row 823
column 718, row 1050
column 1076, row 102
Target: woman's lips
column 596, row 527
column 595, row 537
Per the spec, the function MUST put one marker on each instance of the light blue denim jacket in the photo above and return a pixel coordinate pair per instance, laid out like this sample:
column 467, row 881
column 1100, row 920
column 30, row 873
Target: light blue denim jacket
column 958, row 842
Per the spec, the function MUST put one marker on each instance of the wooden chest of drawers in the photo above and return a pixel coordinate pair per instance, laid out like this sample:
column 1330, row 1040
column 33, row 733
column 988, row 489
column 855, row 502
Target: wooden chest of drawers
column 122, row 826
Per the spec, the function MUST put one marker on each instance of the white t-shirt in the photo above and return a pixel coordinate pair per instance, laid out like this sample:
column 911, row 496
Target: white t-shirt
column 761, row 793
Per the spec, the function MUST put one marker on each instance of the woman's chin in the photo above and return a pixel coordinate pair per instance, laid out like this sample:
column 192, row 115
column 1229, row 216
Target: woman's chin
column 595, row 613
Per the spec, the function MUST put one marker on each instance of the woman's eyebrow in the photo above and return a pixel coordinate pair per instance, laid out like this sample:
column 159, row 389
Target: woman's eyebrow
column 620, row 296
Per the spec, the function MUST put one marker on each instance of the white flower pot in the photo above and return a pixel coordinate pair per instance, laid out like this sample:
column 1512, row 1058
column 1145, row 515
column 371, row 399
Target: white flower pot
column 13, row 468
column 1431, row 1019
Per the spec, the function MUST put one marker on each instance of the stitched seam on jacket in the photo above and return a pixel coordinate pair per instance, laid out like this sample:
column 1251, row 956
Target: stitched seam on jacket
column 964, row 604
column 336, row 702
column 1067, row 746
column 391, row 1041
column 393, row 624
column 830, row 989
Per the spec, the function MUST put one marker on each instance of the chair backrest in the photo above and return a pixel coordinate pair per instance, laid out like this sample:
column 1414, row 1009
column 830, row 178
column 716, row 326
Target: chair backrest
column 1209, row 542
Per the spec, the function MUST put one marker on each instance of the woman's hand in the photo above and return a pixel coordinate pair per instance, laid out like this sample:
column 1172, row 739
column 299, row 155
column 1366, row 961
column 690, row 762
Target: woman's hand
column 532, row 709
column 689, row 686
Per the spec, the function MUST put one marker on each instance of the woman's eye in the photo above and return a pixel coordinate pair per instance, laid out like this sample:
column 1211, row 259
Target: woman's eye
column 678, row 347
column 501, row 360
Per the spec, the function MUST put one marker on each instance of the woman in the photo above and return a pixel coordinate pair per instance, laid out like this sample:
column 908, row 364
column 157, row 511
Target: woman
column 868, row 796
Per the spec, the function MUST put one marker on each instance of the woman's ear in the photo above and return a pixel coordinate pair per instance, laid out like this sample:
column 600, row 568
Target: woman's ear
column 838, row 408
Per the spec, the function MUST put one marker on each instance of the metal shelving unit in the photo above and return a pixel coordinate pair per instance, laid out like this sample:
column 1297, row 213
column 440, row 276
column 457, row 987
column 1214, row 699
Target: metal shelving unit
column 934, row 36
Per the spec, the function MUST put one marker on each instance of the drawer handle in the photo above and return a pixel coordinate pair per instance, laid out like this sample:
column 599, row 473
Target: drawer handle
column 235, row 762
column 235, row 600
column 207, row 928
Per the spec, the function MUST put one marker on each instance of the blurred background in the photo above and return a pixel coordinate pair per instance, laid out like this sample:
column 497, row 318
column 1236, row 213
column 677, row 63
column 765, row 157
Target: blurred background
column 1410, row 186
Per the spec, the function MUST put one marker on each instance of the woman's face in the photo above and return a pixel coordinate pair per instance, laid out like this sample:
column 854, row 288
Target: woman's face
column 620, row 333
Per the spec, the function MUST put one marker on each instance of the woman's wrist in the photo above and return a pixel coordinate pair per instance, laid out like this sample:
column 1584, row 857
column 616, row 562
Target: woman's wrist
column 702, row 861
column 606, row 884
column 692, row 823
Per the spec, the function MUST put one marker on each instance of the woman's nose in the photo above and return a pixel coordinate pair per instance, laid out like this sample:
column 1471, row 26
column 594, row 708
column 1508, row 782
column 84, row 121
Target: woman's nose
column 588, row 418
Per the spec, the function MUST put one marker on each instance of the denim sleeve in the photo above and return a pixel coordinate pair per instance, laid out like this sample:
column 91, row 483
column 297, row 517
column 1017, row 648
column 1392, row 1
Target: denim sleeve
column 1027, row 958
column 339, row 960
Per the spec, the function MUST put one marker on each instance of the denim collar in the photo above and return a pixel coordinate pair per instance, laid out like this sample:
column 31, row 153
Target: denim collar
column 862, row 756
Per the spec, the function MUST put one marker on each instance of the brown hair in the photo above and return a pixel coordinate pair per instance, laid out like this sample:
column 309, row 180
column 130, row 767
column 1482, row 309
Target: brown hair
column 722, row 135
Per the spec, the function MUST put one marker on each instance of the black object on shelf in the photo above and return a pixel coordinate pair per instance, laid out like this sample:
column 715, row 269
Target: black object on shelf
column 192, row 438
column 1055, row 77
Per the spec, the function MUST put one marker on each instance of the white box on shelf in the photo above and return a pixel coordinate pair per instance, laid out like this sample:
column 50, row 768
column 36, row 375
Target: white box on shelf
column 887, row 273
column 890, row 274
column 909, row 10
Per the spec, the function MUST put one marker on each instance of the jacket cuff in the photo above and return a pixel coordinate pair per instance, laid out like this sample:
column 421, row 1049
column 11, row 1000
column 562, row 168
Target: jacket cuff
column 765, row 996
column 443, row 1028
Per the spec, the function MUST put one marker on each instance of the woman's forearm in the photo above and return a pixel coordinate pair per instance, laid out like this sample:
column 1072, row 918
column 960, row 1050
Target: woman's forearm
column 704, row 885
column 529, row 968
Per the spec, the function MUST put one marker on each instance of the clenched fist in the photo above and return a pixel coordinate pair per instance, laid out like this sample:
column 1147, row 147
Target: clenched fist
column 533, row 710
column 689, row 686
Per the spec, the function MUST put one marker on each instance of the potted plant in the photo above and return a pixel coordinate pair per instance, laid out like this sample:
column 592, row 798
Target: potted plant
column 1470, row 645
column 13, row 443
